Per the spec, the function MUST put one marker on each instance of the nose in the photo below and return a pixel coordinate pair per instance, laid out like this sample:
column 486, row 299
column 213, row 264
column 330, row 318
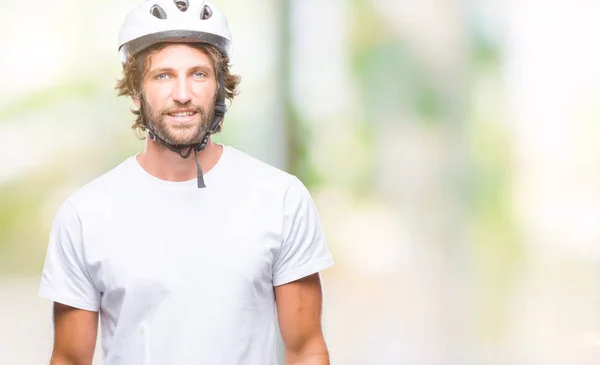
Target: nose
column 182, row 91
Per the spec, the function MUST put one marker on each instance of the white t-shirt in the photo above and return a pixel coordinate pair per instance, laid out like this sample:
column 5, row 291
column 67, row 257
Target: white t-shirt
column 183, row 275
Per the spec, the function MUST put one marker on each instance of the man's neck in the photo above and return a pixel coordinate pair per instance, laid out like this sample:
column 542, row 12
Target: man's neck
column 168, row 165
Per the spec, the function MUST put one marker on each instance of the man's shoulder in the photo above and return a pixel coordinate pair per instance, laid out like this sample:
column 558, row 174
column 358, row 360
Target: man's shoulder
column 251, row 170
column 98, row 189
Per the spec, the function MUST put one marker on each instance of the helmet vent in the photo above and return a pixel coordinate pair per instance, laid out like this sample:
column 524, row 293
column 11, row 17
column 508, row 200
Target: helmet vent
column 158, row 12
column 206, row 13
column 182, row 5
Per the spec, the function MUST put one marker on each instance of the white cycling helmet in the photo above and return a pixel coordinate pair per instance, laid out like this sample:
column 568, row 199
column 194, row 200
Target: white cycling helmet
column 155, row 21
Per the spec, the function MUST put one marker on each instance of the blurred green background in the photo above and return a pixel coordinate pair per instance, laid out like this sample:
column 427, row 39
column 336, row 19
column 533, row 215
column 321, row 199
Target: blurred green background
column 450, row 146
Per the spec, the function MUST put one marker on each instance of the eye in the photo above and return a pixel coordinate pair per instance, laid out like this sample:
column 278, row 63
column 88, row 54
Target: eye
column 199, row 74
column 161, row 76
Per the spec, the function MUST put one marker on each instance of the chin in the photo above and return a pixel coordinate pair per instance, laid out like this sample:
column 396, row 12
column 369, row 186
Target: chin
column 181, row 135
column 179, row 139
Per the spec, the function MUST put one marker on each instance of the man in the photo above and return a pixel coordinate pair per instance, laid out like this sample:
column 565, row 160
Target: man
column 189, row 251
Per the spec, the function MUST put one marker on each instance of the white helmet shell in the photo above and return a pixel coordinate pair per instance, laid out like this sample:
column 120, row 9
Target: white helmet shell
column 155, row 21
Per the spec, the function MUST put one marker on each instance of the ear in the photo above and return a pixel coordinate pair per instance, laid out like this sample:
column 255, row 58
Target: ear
column 136, row 101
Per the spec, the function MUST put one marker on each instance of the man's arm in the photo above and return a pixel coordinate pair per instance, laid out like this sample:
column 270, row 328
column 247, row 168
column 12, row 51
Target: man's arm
column 75, row 333
column 299, row 308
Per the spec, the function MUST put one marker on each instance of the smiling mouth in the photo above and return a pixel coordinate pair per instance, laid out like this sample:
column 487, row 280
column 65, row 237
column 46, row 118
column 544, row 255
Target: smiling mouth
column 182, row 114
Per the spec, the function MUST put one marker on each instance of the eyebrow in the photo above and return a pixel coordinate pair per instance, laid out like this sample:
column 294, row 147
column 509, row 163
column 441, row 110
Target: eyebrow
column 204, row 68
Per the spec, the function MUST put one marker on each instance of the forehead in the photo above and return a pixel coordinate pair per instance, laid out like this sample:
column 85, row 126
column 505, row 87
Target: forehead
column 179, row 56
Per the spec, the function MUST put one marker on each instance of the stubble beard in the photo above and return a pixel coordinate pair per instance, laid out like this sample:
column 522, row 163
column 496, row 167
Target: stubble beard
column 173, row 134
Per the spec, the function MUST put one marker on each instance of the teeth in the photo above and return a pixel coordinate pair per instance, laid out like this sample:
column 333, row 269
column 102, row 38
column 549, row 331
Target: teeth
column 186, row 114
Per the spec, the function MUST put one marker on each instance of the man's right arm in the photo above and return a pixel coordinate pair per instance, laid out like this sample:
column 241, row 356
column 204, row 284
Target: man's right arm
column 67, row 282
column 75, row 333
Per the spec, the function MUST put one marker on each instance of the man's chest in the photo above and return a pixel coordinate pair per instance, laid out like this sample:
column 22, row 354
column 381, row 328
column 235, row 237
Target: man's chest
column 217, row 254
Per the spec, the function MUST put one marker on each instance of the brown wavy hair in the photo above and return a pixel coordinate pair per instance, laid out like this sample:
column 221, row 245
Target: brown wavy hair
column 138, row 65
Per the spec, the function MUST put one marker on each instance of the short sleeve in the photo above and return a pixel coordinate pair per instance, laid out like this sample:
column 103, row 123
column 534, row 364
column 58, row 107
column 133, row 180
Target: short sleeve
column 65, row 278
column 304, row 249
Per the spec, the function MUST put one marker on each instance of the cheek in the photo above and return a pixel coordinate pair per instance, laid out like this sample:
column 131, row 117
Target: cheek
column 205, row 92
column 157, row 98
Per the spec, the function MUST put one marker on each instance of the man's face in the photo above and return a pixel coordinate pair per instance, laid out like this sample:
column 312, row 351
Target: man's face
column 178, row 94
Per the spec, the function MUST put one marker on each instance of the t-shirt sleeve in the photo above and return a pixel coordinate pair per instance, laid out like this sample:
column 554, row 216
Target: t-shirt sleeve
column 304, row 249
column 65, row 278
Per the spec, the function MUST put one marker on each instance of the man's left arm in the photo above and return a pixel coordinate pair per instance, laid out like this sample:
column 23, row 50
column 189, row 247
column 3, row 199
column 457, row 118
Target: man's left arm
column 299, row 310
